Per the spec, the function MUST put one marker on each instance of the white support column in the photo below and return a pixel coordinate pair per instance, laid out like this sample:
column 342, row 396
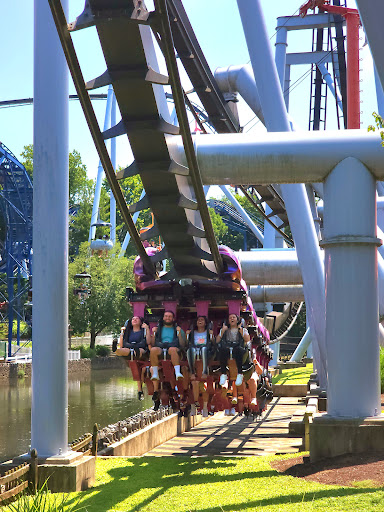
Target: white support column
column 351, row 291
column 50, row 239
column 294, row 195
column 127, row 235
column 287, row 85
column 281, row 53
column 100, row 170
column 302, row 347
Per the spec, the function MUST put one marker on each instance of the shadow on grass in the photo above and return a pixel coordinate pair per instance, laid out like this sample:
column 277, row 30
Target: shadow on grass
column 159, row 474
column 155, row 476
column 299, row 497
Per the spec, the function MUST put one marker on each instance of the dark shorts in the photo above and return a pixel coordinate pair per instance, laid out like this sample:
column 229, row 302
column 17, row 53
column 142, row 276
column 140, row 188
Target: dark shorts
column 135, row 345
column 161, row 345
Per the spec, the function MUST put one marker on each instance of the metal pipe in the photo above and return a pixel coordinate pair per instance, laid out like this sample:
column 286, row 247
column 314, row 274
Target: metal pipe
column 297, row 157
column 302, row 347
column 49, row 422
column 247, row 219
column 330, row 83
column 241, row 79
column 287, row 85
column 280, row 267
column 281, row 53
column 295, row 197
column 127, row 238
column 372, row 15
column 379, row 93
column 100, row 170
column 270, row 267
column 268, row 293
column 351, row 291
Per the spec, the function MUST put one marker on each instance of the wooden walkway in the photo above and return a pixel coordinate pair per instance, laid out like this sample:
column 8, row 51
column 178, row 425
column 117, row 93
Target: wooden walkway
column 238, row 436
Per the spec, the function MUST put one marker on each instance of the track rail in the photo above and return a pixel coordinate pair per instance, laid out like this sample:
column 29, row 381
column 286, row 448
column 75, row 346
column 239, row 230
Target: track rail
column 77, row 77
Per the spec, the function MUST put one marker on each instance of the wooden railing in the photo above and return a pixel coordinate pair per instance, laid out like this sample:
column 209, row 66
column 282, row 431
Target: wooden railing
column 18, row 479
column 87, row 443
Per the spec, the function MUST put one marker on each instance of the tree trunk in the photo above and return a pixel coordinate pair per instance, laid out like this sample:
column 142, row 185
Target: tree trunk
column 93, row 338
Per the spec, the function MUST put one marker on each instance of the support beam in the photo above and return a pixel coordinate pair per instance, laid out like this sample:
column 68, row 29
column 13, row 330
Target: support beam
column 276, row 293
column 100, row 170
column 351, row 291
column 372, row 15
column 270, row 267
column 295, row 196
column 296, row 157
column 302, row 347
column 50, row 239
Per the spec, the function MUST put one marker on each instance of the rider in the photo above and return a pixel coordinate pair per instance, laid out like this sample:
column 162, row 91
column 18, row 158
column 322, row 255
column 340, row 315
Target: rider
column 135, row 335
column 170, row 336
column 199, row 338
column 232, row 336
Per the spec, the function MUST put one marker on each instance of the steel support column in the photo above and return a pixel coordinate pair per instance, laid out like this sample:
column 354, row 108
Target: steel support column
column 295, row 196
column 281, row 52
column 302, row 347
column 50, row 239
column 351, row 291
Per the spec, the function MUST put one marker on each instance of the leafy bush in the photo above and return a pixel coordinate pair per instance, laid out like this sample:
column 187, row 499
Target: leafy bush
column 86, row 352
column 89, row 353
column 102, row 350
column 25, row 330
column 382, row 369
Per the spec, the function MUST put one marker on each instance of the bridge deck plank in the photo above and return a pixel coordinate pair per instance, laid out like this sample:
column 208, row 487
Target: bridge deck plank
column 238, row 436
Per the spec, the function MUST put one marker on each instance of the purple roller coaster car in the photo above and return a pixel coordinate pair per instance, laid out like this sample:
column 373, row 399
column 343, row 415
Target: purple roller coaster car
column 231, row 277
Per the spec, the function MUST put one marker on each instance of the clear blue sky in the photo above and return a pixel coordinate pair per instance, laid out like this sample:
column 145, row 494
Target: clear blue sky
column 218, row 29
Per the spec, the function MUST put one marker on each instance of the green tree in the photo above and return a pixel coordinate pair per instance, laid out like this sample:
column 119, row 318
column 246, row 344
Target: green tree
column 219, row 227
column 80, row 186
column 106, row 306
column 132, row 188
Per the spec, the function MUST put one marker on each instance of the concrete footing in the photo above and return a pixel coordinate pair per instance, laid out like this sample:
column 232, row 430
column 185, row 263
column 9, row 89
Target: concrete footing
column 71, row 472
column 330, row 436
column 78, row 475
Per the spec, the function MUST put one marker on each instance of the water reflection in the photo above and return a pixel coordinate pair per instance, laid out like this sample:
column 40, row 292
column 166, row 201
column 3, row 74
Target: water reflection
column 103, row 397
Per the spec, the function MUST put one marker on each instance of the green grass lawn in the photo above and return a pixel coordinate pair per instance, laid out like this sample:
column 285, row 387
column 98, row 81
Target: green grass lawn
column 181, row 484
column 294, row 375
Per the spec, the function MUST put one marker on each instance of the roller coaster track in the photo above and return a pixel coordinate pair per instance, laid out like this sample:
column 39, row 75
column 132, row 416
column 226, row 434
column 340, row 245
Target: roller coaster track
column 16, row 203
column 173, row 192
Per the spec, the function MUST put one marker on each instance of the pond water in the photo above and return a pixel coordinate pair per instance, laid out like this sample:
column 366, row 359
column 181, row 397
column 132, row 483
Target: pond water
column 102, row 397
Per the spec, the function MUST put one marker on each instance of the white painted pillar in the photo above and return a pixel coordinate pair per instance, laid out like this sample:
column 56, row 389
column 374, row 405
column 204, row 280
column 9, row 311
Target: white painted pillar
column 276, row 354
column 50, row 238
column 281, row 53
column 351, row 291
column 100, row 170
column 287, row 85
column 294, row 195
column 302, row 347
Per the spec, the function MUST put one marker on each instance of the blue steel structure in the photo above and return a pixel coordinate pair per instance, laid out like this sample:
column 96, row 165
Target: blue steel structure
column 16, row 249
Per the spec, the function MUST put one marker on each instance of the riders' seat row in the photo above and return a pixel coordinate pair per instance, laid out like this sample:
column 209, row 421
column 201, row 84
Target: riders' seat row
column 197, row 369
